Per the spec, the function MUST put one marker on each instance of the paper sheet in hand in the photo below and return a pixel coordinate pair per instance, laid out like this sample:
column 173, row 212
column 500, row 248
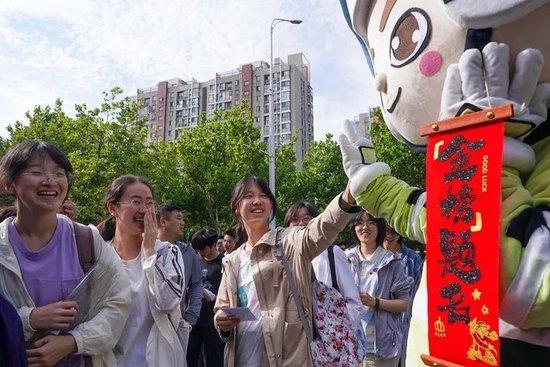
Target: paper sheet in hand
column 90, row 293
column 241, row 313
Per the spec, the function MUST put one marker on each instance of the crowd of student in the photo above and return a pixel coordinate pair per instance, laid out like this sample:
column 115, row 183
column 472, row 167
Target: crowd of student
column 129, row 292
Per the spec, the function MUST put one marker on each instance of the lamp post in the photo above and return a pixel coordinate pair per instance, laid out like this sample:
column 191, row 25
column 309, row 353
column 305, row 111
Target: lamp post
column 271, row 150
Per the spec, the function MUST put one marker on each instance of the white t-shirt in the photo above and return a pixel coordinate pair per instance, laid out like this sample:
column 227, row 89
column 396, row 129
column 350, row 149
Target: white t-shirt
column 250, row 341
column 344, row 277
column 132, row 345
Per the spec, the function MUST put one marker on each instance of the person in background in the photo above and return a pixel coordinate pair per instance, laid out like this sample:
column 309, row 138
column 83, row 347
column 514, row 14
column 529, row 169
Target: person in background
column 219, row 244
column 69, row 209
column 413, row 269
column 171, row 225
column 204, row 335
column 156, row 274
column 300, row 214
column 384, row 289
column 40, row 265
column 229, row 241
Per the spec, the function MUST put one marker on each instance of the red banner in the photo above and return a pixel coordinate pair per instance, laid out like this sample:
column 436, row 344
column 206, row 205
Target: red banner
column 463, row 170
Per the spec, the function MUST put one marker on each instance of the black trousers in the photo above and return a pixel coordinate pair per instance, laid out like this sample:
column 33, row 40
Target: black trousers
column 205, row 338
column 515, row 353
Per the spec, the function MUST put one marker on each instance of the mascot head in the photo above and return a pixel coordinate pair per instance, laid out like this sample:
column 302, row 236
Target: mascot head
column 409, row 44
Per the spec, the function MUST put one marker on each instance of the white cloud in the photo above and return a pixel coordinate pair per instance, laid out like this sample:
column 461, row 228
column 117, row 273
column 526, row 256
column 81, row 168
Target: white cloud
column 75, row 50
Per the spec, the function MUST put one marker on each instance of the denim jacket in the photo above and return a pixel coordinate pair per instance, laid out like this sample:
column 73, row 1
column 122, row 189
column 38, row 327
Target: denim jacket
column 393, row 283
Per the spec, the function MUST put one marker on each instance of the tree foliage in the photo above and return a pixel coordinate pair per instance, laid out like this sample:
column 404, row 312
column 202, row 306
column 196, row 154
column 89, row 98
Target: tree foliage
column 199, row 170
column 210, row 159
column 405, row 164
column 101, row 143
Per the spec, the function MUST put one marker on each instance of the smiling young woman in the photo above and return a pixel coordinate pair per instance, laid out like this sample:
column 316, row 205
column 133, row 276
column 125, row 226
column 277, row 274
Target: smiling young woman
column 384, row 290
column 155, row 271
column 40, row 265
column 275, row 336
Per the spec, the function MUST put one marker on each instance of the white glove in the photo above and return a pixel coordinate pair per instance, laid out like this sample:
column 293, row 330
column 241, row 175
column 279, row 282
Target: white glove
column 465, row 86
column 358, row 158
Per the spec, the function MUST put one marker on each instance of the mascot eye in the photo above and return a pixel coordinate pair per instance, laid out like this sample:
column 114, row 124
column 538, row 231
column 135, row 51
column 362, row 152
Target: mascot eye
column 409, row 37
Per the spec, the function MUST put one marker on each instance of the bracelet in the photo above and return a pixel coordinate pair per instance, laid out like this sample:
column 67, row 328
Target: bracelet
column 376, row 303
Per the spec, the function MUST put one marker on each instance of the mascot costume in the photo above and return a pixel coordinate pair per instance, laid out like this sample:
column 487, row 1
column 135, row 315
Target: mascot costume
column 436, row 59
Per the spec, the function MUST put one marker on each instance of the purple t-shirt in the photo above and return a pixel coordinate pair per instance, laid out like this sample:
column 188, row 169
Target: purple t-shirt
column 51, row 273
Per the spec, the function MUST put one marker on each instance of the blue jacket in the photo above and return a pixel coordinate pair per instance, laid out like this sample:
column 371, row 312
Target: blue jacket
column 191, row 302
column 393, row 283
column 413, row 266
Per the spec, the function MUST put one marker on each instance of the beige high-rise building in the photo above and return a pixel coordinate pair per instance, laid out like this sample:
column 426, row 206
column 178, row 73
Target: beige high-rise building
column 174, row 105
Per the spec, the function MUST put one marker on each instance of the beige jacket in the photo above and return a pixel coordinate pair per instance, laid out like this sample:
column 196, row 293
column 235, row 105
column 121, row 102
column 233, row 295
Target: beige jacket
column 285, row 341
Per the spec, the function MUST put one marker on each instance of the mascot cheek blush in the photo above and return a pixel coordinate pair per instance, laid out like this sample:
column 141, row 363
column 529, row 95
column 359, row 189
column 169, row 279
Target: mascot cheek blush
column 437, row 59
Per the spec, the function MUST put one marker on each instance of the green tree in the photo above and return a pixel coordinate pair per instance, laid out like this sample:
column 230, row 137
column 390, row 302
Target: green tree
column 209, row 160
column 320, row 179
column 101, row 143
column 405, row 164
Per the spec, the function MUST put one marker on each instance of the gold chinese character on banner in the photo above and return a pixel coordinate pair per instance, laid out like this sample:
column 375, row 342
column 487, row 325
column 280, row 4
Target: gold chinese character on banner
column 482, row 348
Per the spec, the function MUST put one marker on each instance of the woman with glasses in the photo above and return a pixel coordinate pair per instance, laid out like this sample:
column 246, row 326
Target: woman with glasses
column 300, row 214
column 40, row 265
column 155, row 271
column 384, row 289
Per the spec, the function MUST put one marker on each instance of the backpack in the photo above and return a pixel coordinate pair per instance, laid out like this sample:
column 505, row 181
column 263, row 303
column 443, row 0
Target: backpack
column 359, row 333
column 332, row 340
column 84, row 246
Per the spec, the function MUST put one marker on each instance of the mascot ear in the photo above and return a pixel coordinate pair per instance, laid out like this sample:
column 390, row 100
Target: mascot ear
column 488, row 14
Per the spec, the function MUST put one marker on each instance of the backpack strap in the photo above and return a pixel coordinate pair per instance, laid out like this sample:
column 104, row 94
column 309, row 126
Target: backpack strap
column 332, row 266
column 84, row 246
column 279, row 254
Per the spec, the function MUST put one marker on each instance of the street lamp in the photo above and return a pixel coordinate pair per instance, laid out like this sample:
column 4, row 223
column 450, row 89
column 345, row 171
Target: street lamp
column 271, row 149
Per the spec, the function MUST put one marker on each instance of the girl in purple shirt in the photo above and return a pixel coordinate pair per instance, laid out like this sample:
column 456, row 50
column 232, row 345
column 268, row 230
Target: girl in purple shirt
column 39, row 262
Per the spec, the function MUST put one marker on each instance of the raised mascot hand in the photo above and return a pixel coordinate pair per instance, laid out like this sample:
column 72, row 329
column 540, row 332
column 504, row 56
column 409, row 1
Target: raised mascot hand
column 359, row 159
column 467, row 83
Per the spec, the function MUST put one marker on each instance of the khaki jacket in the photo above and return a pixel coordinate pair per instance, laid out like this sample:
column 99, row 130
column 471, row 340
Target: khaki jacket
column 285, row 340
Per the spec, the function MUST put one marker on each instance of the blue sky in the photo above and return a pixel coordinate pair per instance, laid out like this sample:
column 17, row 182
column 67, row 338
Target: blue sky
column 74, row 50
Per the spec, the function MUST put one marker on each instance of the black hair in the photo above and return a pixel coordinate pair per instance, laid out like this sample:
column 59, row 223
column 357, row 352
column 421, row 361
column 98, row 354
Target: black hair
column 203, row 238
column 114, row 192
column 230, row 232
column 294, row 208
column 380, row 227
column 238, row 194
column 17, row 158
column 10, row 211
column 107, row 228
column 164, row 210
